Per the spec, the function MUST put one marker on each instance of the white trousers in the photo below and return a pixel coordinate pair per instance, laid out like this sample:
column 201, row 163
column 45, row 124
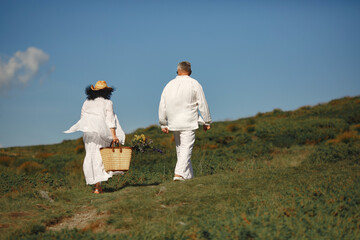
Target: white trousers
column 184, row 141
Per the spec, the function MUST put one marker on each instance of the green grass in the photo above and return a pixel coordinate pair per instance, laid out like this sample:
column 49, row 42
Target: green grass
column 278, row 175
column 307, row 202
column 262, row 203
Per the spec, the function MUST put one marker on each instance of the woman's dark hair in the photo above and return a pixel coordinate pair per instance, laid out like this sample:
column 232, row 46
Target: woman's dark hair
column 104, row 93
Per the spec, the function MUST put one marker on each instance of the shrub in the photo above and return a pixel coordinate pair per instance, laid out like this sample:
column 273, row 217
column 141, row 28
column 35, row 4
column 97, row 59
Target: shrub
column 30, row 167
column 250, row 121
column 225, row 140
column 242, row 138
column 357, row 127
column 336, row 152
column 287, row 132
column 57, row 163
column 348, row 137
column 37, row 228
column 10, row 181
column 304, row 108
column 277, row 112
column 152, row 129
column 346, row 108
column 233, row 127
column 6, row 160
column 13, row 181
column 79, row 141
column 44, row 155
column 254, row 149
column 79, row 149
column 345, row 137
column 250, row 128
column 210, row 146
column 285, row 141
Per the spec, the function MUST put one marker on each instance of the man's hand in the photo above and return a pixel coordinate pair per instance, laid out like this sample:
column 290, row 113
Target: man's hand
column 165, row 130
column 206, row 127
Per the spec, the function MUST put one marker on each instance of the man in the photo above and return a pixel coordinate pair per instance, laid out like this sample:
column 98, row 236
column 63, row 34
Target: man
column 181, row 101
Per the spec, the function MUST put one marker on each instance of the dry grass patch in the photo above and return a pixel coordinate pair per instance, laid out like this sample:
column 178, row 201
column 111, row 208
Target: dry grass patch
column 289, row 157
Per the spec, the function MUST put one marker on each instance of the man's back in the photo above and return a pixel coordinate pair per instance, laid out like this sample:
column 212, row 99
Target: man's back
column 181, row 99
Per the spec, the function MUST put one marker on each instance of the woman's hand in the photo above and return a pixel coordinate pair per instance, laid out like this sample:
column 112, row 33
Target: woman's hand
column 115, row 140
column 113, row 133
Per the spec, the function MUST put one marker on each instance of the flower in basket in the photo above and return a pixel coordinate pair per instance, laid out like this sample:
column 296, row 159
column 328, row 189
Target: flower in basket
column 141, row 143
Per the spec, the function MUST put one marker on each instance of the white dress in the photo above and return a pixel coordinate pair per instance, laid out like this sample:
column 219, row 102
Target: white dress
column 97, row 117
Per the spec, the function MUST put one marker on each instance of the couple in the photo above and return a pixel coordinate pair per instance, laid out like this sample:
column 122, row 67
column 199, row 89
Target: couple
column 181, row 100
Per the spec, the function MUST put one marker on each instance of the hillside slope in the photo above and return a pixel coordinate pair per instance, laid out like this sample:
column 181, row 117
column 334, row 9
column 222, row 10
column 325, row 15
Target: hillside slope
column 276, row 175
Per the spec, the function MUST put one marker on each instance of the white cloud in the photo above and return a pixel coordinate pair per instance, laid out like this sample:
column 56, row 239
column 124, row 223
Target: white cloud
column 1, row 146
column 21, row 67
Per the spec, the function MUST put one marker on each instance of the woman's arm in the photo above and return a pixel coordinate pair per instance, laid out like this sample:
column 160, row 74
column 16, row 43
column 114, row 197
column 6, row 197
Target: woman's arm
column 113, row 133
column 110, row 120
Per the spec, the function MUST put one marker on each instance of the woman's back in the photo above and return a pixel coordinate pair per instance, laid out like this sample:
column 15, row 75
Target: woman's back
column 99, row 107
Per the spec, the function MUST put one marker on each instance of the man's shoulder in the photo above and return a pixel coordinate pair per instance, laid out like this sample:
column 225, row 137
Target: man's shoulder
column 177, row 79
column 172, row 81
column 186, row 78
column 194, row 82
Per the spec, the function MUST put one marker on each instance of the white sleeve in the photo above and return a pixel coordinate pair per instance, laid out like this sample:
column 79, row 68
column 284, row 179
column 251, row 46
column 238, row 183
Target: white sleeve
column 162, row 110
column 202, row 104
column 109, row 115
column 119, row 131
column 83, row 109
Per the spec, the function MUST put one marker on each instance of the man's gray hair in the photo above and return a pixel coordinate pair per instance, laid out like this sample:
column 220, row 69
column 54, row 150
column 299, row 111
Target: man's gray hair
column 184, row 66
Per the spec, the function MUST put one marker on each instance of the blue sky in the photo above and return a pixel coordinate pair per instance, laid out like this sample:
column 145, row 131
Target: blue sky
column 249, row 56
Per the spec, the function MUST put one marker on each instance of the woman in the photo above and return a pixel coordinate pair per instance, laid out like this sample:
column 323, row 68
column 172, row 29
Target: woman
column 100, row 127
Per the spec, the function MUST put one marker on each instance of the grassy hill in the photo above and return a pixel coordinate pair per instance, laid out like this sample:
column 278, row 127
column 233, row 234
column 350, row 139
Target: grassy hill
column 277, row 175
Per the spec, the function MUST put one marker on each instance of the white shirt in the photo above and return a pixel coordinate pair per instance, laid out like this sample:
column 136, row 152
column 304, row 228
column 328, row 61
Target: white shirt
column 181, row 101
column 98, row 116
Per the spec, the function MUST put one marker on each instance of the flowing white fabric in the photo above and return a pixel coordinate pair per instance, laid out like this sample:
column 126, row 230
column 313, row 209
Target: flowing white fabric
column 97, row 117
column 93, row 165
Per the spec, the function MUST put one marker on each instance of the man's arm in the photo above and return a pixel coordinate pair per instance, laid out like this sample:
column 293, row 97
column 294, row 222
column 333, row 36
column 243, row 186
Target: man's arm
column 162, row 113
column 203, row 106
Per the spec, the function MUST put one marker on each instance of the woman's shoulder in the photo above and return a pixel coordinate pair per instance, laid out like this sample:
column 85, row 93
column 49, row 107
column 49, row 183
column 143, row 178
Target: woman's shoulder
column 108, row 101
column 86, row 102
column 104, row 102
column 101, row 99
column 97, row 101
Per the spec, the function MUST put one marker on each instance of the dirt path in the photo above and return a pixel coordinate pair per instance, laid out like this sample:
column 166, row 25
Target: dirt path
column 87, row 219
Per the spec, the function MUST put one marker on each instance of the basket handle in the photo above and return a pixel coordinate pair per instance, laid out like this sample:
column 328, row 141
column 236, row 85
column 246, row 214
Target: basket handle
column 113, row 146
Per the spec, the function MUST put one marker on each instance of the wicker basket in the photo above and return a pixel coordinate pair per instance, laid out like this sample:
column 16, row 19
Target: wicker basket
column 116, row 158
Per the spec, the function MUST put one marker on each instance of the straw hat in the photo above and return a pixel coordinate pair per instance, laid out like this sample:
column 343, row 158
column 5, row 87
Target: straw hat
column 99, row 86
